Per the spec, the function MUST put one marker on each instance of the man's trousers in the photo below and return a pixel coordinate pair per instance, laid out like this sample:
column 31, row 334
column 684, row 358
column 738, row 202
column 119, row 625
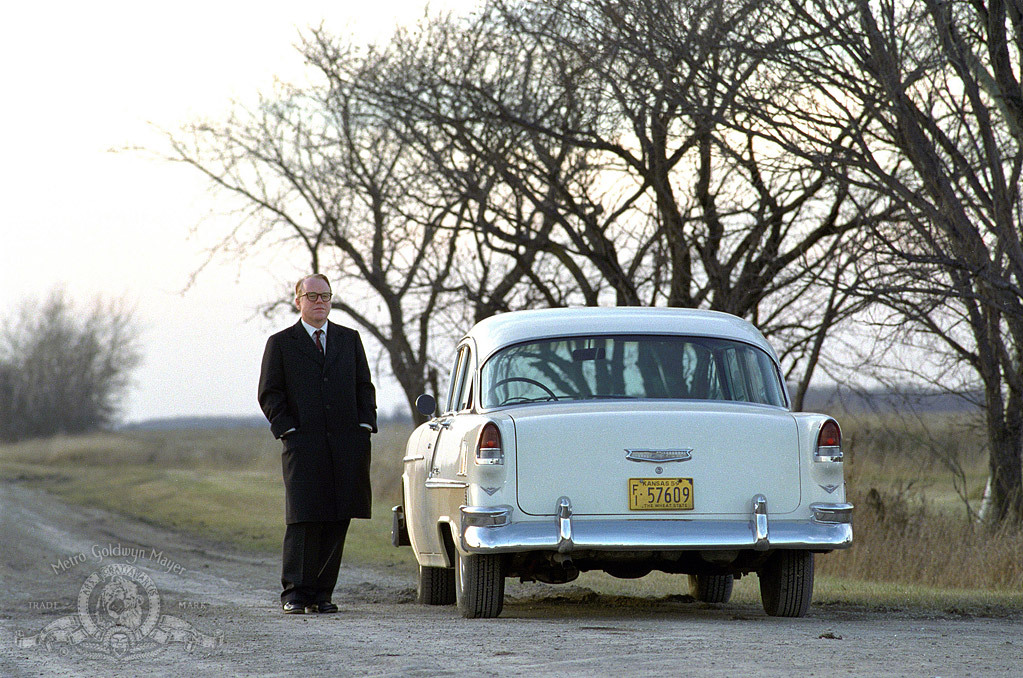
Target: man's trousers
column 312, row 558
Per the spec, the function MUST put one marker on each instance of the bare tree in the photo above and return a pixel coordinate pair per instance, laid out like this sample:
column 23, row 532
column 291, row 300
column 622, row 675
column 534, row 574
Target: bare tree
column 377, row 197
column 63, row 370
column 926, row 94
column 632, row 149
column 573, row 152
column 320, row 168
column 499, row 170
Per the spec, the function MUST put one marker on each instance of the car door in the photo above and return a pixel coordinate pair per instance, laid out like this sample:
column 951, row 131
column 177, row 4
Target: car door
column 420, row 469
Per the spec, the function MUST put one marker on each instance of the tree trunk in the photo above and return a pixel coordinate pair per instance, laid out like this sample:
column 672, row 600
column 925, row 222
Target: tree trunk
column 1005, row 437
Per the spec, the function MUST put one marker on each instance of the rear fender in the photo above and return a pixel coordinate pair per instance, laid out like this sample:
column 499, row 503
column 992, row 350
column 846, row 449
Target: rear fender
column 823, row 481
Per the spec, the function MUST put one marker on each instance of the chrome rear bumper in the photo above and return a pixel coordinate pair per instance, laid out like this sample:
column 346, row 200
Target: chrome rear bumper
column 490, row 530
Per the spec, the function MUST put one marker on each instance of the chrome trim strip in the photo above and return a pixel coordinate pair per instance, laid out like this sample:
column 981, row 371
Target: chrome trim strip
column 406, row 460
column 652, row 534
column 659, row 456
column 828, row 454
column 440, row 484
column 564, row 513
column 761, row 539
column 832, row 513
column 485, row 517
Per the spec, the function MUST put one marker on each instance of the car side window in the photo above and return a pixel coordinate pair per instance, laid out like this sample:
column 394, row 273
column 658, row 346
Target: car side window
column 457, row 390
column 456, row 380
column 464, row 388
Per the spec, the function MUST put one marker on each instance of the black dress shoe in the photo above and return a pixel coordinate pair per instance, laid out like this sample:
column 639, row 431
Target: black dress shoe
column 322, row 608
column 291, row 607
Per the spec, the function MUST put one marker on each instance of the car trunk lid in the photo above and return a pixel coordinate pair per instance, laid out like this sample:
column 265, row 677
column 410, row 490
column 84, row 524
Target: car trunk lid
column 732, row 452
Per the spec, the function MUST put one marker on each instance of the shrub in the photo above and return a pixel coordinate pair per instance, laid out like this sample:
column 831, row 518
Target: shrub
column 63, row 371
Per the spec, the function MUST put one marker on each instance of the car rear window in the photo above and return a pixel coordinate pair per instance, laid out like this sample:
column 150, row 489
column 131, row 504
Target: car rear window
column 658, row 367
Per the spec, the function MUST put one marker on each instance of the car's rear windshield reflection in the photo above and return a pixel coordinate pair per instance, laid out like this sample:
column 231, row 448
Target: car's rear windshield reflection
column 658, row 367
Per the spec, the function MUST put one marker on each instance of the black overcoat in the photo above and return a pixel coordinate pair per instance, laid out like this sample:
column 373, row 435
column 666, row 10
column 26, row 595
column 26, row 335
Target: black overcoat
column 326, row 458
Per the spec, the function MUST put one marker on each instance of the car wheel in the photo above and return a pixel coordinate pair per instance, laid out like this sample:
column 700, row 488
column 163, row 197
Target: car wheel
column 711, row 588
column 436, row 586
column 786, row 583
column 479, row 585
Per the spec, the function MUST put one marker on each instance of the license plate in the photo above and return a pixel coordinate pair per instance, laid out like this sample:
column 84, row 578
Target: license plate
column 660, row 494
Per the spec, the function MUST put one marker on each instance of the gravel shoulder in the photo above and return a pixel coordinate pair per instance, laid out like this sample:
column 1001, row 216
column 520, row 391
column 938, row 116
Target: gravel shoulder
column 68, row 571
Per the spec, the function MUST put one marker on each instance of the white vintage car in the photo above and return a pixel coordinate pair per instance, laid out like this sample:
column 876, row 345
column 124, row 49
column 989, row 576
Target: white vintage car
column 625, row 440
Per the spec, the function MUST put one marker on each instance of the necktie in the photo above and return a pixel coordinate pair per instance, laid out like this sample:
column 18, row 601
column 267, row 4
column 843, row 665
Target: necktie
column 319, row 344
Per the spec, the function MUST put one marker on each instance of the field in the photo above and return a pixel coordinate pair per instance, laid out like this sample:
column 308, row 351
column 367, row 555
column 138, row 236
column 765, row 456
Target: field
column 916, row 543
column 917, row 484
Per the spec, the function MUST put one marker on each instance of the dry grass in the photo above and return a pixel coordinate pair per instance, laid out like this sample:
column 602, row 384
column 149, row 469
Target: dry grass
column 916, row 484
column 937, row 458
column 904, row 539
column 222, row 483
column 199, row 450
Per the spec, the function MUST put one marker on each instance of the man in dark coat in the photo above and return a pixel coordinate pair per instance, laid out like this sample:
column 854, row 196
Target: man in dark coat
column 316, row 391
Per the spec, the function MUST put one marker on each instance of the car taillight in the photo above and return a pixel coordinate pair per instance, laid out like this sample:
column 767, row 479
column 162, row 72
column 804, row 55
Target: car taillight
column 488, row 449
column 829, row 442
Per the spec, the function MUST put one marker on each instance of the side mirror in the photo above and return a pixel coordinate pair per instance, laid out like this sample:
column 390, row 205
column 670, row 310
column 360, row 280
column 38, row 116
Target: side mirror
column 426, row 405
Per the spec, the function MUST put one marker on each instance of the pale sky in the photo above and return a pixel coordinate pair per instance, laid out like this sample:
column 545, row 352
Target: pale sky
column 79, row 79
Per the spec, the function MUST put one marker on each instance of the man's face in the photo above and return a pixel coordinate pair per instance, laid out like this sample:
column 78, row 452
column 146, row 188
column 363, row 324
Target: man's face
column 314, row 312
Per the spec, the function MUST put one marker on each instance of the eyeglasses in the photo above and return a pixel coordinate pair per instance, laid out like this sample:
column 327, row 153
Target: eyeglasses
column 312, row 296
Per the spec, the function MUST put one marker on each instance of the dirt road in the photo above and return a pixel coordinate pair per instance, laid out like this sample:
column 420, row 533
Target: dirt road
column 186, row 607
